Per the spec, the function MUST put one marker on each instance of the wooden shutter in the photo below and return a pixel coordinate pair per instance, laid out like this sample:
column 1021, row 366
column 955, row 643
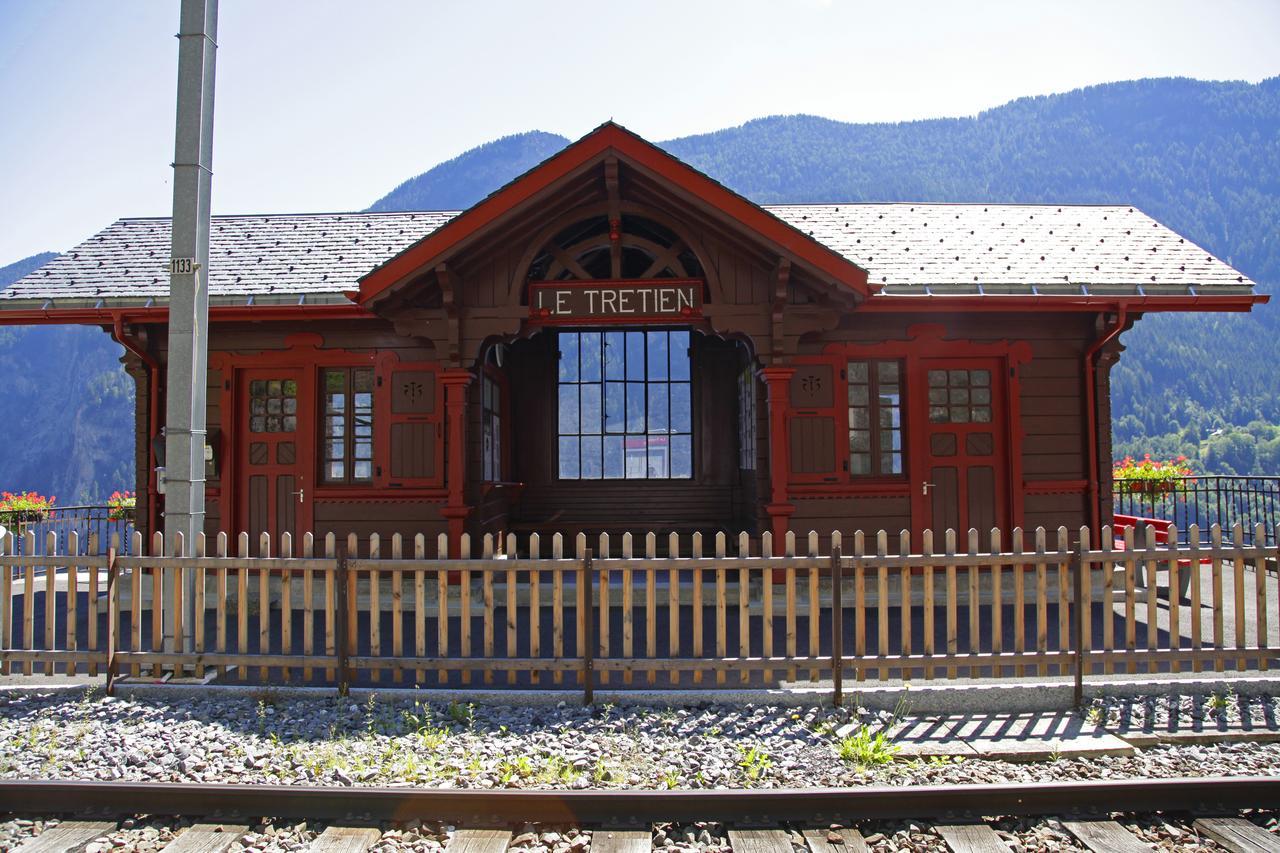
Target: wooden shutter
column 409, row 452
column 812, row 430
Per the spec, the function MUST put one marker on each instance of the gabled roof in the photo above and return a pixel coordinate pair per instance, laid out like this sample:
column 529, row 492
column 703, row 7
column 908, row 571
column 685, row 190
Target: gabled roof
column 311, row 257
column 610, row 138
column 951, row 249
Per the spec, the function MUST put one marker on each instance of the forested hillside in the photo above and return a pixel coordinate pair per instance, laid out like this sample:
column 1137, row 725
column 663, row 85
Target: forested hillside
column 67, row 408
column 1204, row 158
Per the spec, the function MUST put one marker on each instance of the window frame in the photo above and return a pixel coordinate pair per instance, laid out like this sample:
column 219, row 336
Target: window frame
column 491, row 376
column 647, row 383
column 873, row 409
column 349, row 414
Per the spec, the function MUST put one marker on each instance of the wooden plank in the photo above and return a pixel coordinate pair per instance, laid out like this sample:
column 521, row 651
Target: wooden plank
column 29, row 603
column 651, row 602
column 1042, row 600
column 722, row 607
column 859, row 603
column 1197, row 630
column 1237, row 578
column 621, row 841
column 1064, row 594
column 1020, row 602
column 330, row 605
column 1130, row 598
column 697, row 605
column 242, row 603
column 1238, row 835
column 628, row 606
column 308, row 605
column 6, row 601
column 1260, row 591
column 345, row 839
column 1105, row 836
column 442, row 608
column 603, row 635
column 397, row 605
column 926, row 549
column 464, row 592
column 744, row 604
column 820, row 841
column 511, row 608
column 882, row 602
column 815, row 608
column 1108, row 597
column 997, row 603
column 1175, row 611
column 904, row 606
column 759, row 841
column 952, row 596
column 1215, row 534
column 286, row 600
column 73, row 548
column 975, row 603
column 198, row 606
column 766, row 602
column 375, row 603
column 971, row 838
column 486, row 592
column 419, row 605
column 479, row 841
column 557, row 609
column 535, row 608
column 93, row 601
column 264, row 604
column 67, row 836
column 673, row 605
column 1153, row 627
column 206, row 838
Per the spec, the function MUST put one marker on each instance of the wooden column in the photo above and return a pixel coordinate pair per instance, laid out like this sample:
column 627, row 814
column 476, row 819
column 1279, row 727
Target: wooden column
column 778, row 384
column 456, row 510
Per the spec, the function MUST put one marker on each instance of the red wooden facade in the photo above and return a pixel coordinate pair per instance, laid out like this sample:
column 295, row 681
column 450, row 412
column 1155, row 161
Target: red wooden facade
column 616, row 342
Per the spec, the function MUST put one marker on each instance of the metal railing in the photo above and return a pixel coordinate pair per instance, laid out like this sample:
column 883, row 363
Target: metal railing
column 1206, row 500
column 86, row 521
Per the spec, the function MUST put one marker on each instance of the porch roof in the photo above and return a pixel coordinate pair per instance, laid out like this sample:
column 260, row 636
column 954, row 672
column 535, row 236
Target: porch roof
column 927, row 250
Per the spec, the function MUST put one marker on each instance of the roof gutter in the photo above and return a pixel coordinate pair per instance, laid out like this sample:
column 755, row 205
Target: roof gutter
column 153, row 410
column 1091, row 414
column 160, row 314
column 1002, row 302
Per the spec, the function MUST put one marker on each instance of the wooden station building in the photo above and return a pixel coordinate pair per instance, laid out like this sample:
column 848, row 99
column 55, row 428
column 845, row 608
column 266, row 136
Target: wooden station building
column 614, row 341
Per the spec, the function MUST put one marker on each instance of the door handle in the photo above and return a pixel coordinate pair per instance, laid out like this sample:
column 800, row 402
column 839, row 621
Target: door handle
column 300, row 493
column 925, row 487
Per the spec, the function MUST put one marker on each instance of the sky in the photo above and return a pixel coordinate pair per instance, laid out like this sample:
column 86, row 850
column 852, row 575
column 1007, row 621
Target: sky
column 324, row 105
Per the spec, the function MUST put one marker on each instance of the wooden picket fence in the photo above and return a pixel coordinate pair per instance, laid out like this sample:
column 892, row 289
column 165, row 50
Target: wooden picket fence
column 524, row 613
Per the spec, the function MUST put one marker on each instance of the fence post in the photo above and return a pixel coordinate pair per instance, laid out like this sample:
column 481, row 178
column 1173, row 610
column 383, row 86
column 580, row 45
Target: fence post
column 837, row 626
column 344, row 627
column 587, row 580
column 1077, row 620
column 113, row 616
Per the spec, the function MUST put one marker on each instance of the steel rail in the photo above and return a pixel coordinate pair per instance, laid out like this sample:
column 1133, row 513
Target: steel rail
column 619, row 808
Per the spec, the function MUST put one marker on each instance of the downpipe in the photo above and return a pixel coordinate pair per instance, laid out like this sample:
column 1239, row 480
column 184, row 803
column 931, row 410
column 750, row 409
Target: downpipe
column 153, row 411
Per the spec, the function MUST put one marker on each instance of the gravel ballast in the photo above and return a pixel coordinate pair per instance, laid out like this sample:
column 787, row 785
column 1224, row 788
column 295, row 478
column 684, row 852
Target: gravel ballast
column 307, row 740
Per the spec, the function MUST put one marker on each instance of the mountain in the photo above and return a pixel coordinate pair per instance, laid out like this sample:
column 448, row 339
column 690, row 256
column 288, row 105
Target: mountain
column 68, row 405
column 1201, row 157
column 469, row 177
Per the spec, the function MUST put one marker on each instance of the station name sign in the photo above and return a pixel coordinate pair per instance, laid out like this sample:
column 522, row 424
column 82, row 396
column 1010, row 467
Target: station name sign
column 573, row 301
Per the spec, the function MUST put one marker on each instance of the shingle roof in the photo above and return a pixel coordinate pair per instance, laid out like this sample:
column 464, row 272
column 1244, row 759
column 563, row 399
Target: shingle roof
column 924, row 249
column 1007, row 248
column 270, row 258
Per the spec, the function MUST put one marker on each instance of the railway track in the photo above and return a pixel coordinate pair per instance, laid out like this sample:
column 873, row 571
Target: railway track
column 1115, row 816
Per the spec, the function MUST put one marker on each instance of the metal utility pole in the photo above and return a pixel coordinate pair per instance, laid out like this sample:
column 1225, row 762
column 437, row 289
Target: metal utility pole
column 188, row 343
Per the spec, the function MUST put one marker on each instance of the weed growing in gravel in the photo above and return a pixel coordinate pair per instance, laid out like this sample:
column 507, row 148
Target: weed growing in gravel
column 511, row 769
column 755, row 763
column 1218, row 703
column 864, row 749
column 262, row 717
column 1095, row 715
column 558, row 770
column 463, row 715
column 601, row 772
column 670, row 778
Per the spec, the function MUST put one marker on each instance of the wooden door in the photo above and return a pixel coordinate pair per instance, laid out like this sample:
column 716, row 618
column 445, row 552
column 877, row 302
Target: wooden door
column 966, row 446
column 275, row 490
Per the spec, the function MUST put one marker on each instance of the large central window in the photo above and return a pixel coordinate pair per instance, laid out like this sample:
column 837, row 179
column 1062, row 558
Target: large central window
column 626, row 407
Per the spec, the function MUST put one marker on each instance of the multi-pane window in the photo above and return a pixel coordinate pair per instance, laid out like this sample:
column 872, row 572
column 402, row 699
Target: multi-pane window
column 875, row 418
column 346, row 444
column 273, row 405
column 747, row 419
column 625, row 405
column 959, row 396
column 491, row 424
